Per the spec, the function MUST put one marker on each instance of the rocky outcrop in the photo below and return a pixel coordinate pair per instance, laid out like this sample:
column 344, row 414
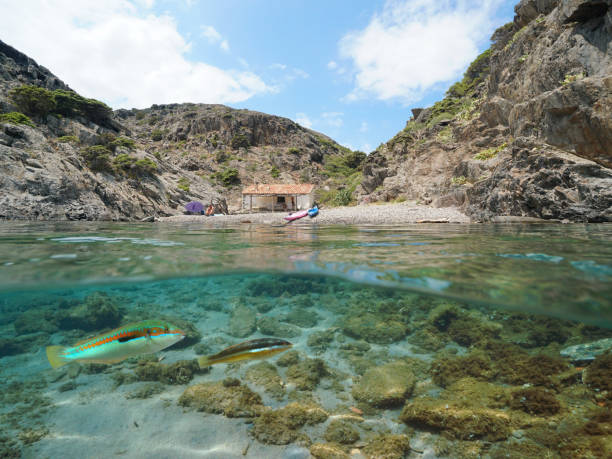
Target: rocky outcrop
column 534, row 138
column 140, row 164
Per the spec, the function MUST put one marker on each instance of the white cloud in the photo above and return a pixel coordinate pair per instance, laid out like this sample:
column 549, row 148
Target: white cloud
column 415, row 44
column 332, row 65
column 278, row 66
column 210, row 33
column 113, row 51
column 363, row 127
column 333, row 119
column 214, row 37
column 302, row 118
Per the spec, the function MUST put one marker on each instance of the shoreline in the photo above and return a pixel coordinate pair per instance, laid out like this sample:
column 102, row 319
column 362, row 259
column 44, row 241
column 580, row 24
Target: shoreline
column 364, row 214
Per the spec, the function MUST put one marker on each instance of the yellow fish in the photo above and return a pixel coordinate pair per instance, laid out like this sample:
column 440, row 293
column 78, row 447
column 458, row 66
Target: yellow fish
column 253, row 349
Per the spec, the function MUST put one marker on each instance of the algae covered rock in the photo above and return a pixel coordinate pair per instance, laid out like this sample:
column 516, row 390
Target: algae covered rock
column 463, row 423
column 98, row 311
column 374, row 329
column 281, row 427
column 388, row 447
column 306, row 374
column 341, row 431
column 242, row 322
column 264, row 374
column 288, row 358
column 232, row 400
column 599, row 374
column 385, row 386
column 302, row 317
column 272, row 327
column 180, row 372
column 534, row 400
column 447, row 370
column 328, row 451
column 320, row 339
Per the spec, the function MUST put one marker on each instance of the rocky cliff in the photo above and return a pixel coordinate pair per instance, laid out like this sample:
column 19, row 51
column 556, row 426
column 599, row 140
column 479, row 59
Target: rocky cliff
column 527, row 132
column 63, row 156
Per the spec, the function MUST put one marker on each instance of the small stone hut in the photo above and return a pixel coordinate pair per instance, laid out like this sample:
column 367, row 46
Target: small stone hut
column 277, row 197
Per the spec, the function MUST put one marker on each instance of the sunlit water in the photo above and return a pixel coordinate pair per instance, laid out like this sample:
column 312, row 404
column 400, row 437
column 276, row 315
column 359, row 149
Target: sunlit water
column 539, row 288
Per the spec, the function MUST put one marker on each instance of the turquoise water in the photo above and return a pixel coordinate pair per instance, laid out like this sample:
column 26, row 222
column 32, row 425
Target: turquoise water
column 416, row 307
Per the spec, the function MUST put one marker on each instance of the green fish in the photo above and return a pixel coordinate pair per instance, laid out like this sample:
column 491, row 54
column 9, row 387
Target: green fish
column 143, row 337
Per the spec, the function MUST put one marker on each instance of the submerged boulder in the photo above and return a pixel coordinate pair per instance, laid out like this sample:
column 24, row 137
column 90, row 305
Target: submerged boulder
column 281, row 427
column 233, row 400
column 385, row 386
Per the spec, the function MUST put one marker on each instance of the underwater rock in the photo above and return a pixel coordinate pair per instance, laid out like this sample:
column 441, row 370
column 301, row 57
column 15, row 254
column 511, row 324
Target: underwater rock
column 328, row 451
column 180, row 372
column 534, row 400
column 464, row 423
column 242, row 322
column 373, row 329
column 281, row 427
column 306, row 374
column 22, row 344
column 321, row 339
column 599, row 375
column 192, row 334
column 233, row 401
column 264, row 374
column 98, row 311
column 385, row 386
column 589, row 351
column 272, row 327
column 302, row 317
column 466, row 328
column 70, row 385
column 446, row 370
column 34, row 321
column 288, row 358
column 469, row 392
column 388, row 447
column 341, row 431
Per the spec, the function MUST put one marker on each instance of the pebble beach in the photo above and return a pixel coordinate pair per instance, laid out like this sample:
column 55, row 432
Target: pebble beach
column 372, row 214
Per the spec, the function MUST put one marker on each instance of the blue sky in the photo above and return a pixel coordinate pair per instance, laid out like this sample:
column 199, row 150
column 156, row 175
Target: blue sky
column 350, row 69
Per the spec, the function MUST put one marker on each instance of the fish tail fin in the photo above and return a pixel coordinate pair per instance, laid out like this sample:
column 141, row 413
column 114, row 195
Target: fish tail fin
column 204, row 362
column 56, row 357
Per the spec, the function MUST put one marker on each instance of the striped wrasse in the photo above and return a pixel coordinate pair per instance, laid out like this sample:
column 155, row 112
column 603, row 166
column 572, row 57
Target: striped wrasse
column 247, row 350
column 143, row 337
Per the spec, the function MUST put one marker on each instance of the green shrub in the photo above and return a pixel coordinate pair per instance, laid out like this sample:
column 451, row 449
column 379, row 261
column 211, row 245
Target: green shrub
column 227, row 116
column 123, row 161
column 140, row 114
column 41, row 102
column 183, row 184
column 98, row 158
column 33, row 100
column 15, row 118
column 221, row 156
column 489, row 153
column 68, row 139
column 240, row 141
column 342, row 197
column 228, row 176
column 123, row 142
column 514, row 38
column 144, row 166
column 157, row 135
column 274, row 172
column 461, row 180
column 293, row 151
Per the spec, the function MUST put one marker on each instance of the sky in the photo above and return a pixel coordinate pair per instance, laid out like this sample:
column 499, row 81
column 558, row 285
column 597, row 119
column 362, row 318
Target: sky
column 351, row 69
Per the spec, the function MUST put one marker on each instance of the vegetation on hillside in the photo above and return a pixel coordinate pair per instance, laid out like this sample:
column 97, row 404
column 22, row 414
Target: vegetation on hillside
column 36, row 101
column 460, row 99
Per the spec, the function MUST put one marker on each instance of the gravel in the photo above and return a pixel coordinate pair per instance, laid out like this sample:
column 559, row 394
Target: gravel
column 371, row 214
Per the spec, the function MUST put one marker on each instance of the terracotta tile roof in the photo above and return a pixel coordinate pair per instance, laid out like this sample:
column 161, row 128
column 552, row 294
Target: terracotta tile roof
column 262, row 188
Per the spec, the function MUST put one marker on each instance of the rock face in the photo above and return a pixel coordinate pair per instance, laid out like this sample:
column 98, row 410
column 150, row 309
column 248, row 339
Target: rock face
column 153, row 161
column 527, row 132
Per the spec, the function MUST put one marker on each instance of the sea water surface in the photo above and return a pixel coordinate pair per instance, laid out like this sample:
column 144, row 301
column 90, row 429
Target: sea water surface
column 360, row 304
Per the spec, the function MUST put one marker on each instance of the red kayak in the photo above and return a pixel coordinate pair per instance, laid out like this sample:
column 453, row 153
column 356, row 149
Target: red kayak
column 296, row 215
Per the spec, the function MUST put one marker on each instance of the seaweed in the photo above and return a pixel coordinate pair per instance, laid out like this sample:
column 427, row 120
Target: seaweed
column 535, row 401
